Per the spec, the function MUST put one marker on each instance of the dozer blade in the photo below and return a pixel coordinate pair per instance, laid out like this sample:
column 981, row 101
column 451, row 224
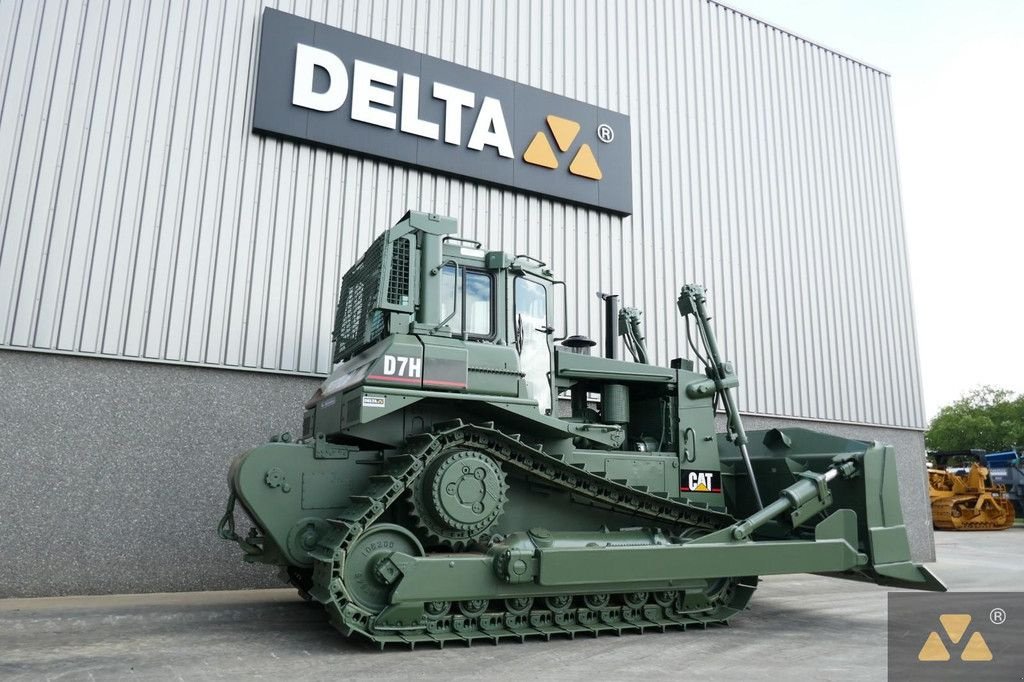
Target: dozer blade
column 889, row 549
column 870, row 490
column 907, row 575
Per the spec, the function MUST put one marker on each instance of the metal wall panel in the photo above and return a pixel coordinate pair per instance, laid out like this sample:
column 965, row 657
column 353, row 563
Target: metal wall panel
column 141, row 218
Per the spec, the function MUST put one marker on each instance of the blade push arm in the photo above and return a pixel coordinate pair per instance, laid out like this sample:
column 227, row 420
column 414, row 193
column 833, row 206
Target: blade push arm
column 691, row 301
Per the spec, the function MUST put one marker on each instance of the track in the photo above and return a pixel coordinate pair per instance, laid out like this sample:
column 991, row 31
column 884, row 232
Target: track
column 517, row 619
column 960, row 513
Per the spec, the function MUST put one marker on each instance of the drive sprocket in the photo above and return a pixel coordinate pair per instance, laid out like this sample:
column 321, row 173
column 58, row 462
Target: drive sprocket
column 460, row 495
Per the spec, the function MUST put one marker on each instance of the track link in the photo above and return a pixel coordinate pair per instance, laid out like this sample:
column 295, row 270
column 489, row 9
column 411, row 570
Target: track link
column 401, row 471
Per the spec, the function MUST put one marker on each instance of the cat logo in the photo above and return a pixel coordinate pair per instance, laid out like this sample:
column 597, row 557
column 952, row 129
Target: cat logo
column 955, row 625
column 540, row 153
column 700, row 482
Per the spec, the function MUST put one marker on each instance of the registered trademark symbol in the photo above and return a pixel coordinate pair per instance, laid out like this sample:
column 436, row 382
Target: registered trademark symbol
column 997, row 616
column 605, row 133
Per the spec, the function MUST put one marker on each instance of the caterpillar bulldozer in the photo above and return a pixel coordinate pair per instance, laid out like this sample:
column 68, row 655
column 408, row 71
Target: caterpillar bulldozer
column 964, row 497
column 466, row 472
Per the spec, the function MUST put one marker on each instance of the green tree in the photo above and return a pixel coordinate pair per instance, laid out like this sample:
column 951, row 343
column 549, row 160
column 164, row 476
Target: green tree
column 987, row 417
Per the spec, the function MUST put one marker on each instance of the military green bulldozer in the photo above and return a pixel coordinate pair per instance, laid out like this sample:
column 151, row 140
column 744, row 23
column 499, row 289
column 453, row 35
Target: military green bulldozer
column 469, row 472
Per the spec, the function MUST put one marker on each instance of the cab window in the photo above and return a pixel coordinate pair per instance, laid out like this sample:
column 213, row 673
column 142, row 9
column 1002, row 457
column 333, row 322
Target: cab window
column 532, row 340
column 479, row 298
column 531, row 300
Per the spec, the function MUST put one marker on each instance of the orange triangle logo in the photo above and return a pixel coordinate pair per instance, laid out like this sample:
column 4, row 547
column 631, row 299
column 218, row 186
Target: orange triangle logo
column 564, row 130
column 976, row 649
column 585, row 165
column 539, row 153
column 955, row 625
column 933, row 649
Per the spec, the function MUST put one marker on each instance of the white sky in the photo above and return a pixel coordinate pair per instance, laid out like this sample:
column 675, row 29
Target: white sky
column 958, row 98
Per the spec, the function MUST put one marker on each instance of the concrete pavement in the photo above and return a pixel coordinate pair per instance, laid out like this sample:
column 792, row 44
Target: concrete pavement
column 797, row 625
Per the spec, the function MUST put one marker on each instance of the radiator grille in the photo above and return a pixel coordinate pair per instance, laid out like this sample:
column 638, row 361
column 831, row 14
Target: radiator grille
column 398, row 278
column 355, row 322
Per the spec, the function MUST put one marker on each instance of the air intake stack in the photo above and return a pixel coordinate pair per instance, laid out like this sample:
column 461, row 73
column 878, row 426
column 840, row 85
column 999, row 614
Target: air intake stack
column 614, row 397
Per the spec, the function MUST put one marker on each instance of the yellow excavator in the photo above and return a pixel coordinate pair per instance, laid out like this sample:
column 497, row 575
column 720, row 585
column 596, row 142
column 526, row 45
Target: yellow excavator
column 962, row 494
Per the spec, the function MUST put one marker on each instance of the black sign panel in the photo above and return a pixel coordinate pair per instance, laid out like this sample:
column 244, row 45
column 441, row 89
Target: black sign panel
column 955, row 636
column 320, row 84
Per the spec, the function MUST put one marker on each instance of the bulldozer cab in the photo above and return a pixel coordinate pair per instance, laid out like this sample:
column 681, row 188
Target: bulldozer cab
column 495, row 298
column 964, row 465
column 418, row 278
column 957, row 458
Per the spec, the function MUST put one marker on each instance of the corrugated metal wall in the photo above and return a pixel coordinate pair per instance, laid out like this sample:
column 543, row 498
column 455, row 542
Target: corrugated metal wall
column 141, row 218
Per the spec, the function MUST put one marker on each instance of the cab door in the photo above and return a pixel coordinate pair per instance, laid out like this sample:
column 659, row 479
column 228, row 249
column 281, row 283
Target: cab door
column 532, row 334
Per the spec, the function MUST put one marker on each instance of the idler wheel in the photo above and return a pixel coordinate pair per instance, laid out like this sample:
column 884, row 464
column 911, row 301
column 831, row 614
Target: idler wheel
column 364, row 585
column 597, row 601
